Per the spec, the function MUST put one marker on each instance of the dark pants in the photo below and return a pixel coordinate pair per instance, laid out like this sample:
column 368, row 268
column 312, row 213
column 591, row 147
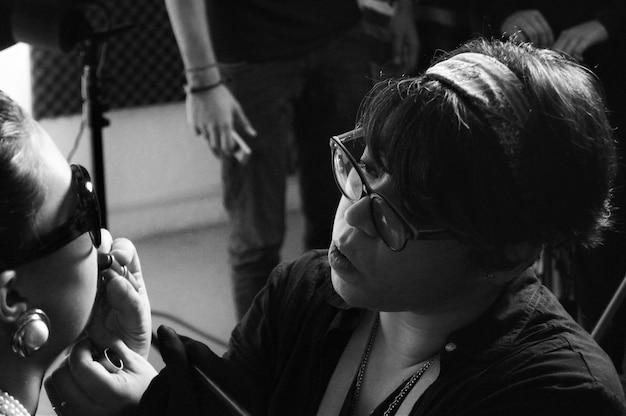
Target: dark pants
column 297, row 102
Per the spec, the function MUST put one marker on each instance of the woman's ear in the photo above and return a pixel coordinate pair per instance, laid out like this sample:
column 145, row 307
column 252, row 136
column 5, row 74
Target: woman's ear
column 12, row 305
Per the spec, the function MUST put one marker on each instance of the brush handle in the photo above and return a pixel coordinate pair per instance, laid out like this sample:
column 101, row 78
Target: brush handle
column 234, row 407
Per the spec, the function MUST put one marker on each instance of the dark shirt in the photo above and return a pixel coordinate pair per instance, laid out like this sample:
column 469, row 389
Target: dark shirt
column 264, row 30
column 524, row 356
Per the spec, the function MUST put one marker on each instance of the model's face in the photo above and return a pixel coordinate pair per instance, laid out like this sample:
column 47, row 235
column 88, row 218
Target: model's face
column 426, row 276
column 63, row 283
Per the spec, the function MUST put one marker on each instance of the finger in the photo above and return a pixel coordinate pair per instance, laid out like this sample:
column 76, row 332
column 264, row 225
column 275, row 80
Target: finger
column 227, row 144
column 560, row 43
column 172, row 349
column 124, row 251
column 578, row 47
column 565, row 45
column 104, row 249
column 538, row 28
column 123, row 272
column 111, row 361
column 124, row 297
column 104, row 392
column 520, row 36
column 211, row 134
column 65, row 393
column 531, row 31
column 182, row 389
column 101, row 381
column 242, row 121
column 546, row 37
column 84, row 364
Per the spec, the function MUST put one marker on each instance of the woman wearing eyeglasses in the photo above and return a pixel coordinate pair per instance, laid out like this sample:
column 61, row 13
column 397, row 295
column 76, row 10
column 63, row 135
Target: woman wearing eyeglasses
column 50, row 247
column 425, row 302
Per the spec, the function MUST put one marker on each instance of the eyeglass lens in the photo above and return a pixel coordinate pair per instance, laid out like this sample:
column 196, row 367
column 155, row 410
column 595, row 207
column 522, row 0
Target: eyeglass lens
column 347, row 177
column 88, row 203
column 388, row 224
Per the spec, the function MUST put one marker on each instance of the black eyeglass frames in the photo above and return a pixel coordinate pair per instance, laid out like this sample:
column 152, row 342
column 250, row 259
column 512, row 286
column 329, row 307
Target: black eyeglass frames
column 86, row 218
column 392, row 227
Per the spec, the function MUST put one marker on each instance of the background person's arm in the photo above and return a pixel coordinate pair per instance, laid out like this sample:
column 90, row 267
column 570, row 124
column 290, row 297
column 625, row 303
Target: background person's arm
column 212, row 111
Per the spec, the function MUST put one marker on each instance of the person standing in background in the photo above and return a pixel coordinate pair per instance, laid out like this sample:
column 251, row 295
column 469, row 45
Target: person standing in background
column 593, row 33
column 274, row 74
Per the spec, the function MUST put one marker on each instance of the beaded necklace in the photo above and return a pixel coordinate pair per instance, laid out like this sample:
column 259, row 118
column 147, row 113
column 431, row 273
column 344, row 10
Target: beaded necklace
column 10, row 406
column 408, row 385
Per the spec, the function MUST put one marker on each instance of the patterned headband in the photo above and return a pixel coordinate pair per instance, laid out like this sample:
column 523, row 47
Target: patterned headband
column 495, row 90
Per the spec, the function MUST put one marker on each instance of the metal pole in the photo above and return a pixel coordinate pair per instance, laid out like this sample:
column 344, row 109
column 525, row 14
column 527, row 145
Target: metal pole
column 95, row 121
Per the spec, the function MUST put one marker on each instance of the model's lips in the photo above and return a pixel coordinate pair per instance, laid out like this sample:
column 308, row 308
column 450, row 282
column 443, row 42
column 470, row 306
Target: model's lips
column 338, row 260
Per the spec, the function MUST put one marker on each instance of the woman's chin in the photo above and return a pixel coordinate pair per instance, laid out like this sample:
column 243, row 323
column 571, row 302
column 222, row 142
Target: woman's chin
column 348, row 291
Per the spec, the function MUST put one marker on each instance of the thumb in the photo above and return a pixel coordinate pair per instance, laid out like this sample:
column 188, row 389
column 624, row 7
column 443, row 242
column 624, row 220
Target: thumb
column 181, row 387
column 172, row 349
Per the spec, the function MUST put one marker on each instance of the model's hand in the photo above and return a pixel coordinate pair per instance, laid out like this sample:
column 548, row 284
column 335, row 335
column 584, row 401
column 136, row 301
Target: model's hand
column 216, row 115
column 87, row 384
column 180, row 390
column 529, row 26
column 122, row 309
column 576, row 40
column 404, row 40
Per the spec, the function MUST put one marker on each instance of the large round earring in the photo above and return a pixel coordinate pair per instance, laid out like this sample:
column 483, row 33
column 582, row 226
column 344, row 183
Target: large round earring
column 33, row 331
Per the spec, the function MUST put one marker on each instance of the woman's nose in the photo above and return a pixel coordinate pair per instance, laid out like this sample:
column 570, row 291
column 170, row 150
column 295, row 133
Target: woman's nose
column 358, row 215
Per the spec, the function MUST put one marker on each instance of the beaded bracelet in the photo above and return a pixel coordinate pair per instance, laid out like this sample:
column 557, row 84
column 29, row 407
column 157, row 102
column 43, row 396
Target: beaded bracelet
column 202, row 88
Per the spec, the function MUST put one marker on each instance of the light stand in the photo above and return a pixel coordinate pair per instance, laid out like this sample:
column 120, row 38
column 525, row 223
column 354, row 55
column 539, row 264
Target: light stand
column 90, row 86
column 62, row 25
column 94, row 108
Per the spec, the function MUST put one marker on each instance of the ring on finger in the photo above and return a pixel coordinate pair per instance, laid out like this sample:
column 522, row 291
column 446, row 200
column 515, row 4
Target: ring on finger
column 111, row 361
column 108, row 263
column 124, row 271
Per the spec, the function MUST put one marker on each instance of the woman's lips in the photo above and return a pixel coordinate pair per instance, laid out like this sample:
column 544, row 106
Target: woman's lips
column 338, row 261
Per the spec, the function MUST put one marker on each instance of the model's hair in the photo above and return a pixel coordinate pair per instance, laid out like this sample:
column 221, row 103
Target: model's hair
column 21, row 195
column 446, row 161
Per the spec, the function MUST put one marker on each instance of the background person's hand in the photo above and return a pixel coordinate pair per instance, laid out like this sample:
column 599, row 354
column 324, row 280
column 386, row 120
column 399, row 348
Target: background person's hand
column 122, row 309
column 179, row 390
column 85, row 385
column 529, row 26
column 405, row 44
column 576, row 40
column 216, row 114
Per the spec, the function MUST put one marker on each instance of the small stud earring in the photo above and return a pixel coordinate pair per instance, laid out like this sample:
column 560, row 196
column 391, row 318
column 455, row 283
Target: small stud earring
column 33, row 331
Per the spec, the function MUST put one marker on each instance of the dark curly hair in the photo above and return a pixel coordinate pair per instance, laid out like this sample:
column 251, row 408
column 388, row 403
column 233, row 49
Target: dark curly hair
column 445, row 161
